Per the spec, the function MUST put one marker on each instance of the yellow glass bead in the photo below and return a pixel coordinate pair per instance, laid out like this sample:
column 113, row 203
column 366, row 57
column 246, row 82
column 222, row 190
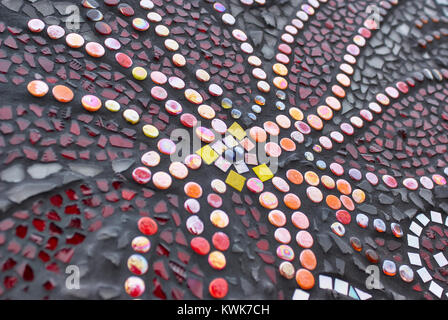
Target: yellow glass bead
column 139, row 73
column 112, row 105
column 131, row 116
column 150, row 131
column 280, row 69
column 296, row 113
column 206, row 112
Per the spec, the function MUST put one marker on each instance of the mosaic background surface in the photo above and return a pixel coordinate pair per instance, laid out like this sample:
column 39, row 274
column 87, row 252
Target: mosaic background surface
column 67, row 193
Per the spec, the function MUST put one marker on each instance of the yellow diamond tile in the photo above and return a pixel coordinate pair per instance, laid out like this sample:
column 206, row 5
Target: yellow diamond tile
column 235, row 180
column 237, row 131
column 263, row 172
column 207, row 154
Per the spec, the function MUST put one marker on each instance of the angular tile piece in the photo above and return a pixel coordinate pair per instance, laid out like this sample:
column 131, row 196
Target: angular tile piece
column 241, row 167
column 263, row 172
column 416, row 228
column 325, row 282
column 41, row 171
column 230, row 141
column 423, row 219
column 352, row 293
column 207, row 154
column 363, row 295
column 251, row 158
column 121, row 165
column 219, row 147
column 441, row 259
column 237, row 131
column 247, row 144
column 87, row 170
column 436, row 217
column 413, row 241
column 24, row 191
column 414, row 259
column 436, row 289
column 341, row 286
column 424, row 274
column 235, row 180
column 13, row 174
column 223, row 164
column 300, row 295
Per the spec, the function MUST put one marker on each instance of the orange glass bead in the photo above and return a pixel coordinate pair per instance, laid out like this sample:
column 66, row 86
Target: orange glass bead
column 193, row 190
column 294, row 176
column 305, row 279
column 287, row 144
column 308, row 259
column 277, row 218
column 333, row 202
column 62, row 93
column 37, row 88
column 344, row 186
column 217, row 260
column 292, row 201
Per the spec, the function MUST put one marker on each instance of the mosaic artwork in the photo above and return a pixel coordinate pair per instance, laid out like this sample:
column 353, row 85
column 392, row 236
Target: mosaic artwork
column 229, row 149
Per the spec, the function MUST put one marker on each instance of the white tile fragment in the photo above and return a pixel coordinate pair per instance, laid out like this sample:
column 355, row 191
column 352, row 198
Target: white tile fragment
column 230, row 141
column 424, row 274
column 219, row 147
column 222, row 164
column 416, row 228
column 241, row 167
column 414, row 259
column 341, row 286
column 325, row 282
column 424, row 220
column 413, row 241
column 441, row 259
column 436, row 289
column 363, row 295
column 300, row 295
column 436, row 217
